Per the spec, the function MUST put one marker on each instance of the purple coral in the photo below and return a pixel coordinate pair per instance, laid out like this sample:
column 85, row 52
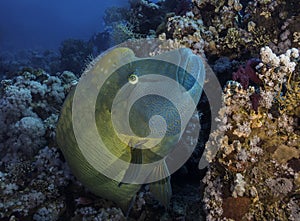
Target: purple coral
column 247, row 73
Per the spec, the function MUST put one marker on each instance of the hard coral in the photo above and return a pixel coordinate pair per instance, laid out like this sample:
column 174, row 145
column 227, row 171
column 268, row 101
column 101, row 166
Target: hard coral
column 32, row 175
column 247, row 25
column 257, row 151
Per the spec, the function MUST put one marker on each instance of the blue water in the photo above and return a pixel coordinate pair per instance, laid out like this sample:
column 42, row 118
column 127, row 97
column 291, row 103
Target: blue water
column 43, row 24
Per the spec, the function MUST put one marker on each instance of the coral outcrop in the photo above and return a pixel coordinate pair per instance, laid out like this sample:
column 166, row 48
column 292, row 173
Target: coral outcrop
column 254, row 167
column 31, row 170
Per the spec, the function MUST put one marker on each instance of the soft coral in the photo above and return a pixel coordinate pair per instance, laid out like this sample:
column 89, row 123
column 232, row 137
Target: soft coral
column 246, row 74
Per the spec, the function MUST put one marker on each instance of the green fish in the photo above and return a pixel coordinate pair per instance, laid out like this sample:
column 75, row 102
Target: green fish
column 138, row 149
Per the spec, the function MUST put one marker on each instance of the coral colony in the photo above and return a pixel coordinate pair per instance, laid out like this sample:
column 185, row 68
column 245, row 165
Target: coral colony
column 253, row 47
column 257, row 166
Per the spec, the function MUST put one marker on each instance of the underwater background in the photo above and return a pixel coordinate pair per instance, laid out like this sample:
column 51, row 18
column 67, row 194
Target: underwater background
column 44, row 25
column 251, row 46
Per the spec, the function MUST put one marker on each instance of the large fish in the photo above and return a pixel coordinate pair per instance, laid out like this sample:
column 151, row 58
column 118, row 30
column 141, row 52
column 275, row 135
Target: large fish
column 121, row 67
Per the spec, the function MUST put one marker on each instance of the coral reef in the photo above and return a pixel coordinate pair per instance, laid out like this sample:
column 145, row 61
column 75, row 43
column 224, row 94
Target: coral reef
column 254, row 167
column 123, row 31
column 100, row 42
column 32, row 173
column 139, row 20
column 11, row 63
column 74, row 55
column 258, row 159
column 257, row 165
column 143, row 18
column 188, row 30
column 35, row 181
column 242, row 26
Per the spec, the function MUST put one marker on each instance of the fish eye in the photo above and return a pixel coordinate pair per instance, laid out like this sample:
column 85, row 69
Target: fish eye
column 133, row 79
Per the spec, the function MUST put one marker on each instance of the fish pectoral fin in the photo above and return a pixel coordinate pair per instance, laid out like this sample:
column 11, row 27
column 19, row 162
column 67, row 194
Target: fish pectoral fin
column 162, row 189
